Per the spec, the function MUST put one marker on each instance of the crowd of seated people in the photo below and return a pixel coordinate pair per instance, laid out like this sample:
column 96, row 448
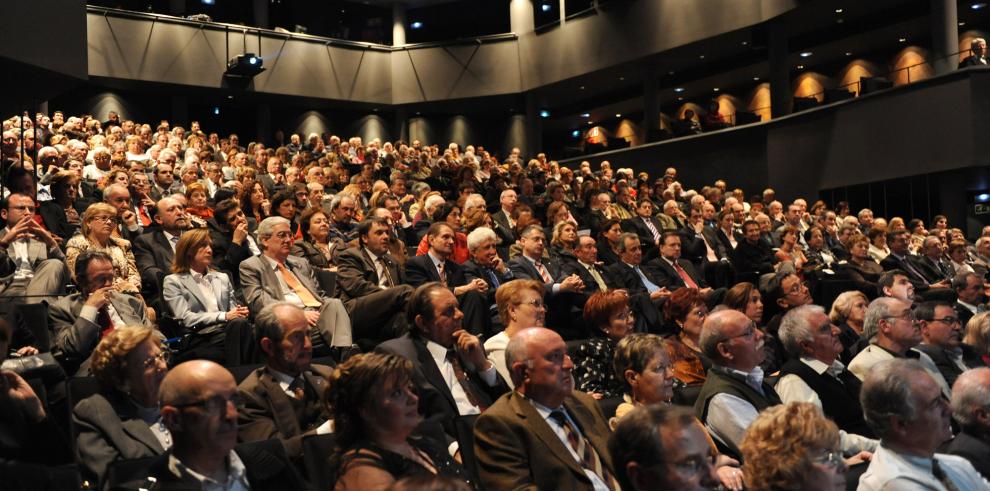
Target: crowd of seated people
column 335, row 313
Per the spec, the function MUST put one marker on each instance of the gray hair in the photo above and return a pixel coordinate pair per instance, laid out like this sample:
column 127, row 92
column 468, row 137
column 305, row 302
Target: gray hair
column 796, row 327
column 479, row 236
column 267, row 323
column 713, row 332
column 886, row 392
column 878, row 309
column 842, row 305
column 622, row 240
column 266, row 226
column 474, row 200
column 968, row 393
column 107, row 191
column 337, row 199
column 505, row 193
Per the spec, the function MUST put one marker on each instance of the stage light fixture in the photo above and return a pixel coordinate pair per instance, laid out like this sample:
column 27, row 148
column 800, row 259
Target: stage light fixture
column 245, row 65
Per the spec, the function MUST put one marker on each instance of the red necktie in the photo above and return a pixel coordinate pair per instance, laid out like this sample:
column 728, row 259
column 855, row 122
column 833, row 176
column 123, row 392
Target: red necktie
column 684, row 276
column 105, row 322
column 544, row 273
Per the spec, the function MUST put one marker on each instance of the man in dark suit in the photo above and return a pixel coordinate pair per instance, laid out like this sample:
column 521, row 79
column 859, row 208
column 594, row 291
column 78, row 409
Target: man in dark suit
column 451, row 374
column 276, row 276
column 637, row 281
column 154, row 251
column 753, row 255
column 119, row 197
column 437, row 266
column 978, row 49
column 163, row 179
column 544, row 434
column 675, row 273
column 969, row 296
column 899, row 259
column 230, row 239
column 371, row 284
column 969, row 409
column 646, row 227
column 706, row 251
column 80, row 320
column 198, row 408
column 504, row 224
column 562, row 293
column 284, row 398
column 941, row 340
column 486, row 264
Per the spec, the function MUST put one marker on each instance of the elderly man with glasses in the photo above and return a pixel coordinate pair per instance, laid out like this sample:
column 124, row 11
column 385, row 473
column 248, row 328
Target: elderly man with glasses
column 941, row 340
column 893, row 331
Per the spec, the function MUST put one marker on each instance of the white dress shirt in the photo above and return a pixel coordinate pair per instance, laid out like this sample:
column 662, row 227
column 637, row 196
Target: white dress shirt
column 890, row 470
column 234, row 478
column 464, row 406
column 205, row 284
column 791, row 388
column 729, row 416
column 379, row 269
column 558, row 430
column 288, row 294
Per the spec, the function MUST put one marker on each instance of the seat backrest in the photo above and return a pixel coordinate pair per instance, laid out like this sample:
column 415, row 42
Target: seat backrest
column 327, row 280
column 465, row 439
column 241, row 372
column 35, row 318
column 124, row 471
column 316, row 452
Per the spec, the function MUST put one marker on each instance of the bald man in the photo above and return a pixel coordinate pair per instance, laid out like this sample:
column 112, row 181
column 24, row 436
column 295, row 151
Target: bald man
column 198, row 402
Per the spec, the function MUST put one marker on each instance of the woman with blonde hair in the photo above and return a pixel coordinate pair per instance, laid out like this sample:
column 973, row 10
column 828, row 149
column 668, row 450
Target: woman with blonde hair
column 848, row 313
column 978, row 335
column 98, row 224
column 122, row 421
column 793, row 447
column 520, row 305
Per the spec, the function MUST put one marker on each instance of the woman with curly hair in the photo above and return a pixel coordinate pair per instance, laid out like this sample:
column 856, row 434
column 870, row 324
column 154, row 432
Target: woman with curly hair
column 609, row 313
column 793, row 447
column 686, row 311
column 121, row 421
column 98, row 224
column 375, row 410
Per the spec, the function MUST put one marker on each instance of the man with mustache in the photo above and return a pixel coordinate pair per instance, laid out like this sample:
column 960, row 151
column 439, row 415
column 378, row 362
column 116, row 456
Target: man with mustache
column 941, row 340
column 544, row 434
column 734, row 392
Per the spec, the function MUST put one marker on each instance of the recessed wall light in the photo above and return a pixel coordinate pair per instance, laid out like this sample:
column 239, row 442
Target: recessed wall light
column 701, row 57
column 678, row 89
column 756, row 79
column 544, row 113
column 715, row 89
column 585, row 115
column 838, row 11
column 849, row 53
column 618, row 115
column 901, row 40
column 806, row 54
column 978, row 6
column 800, row 67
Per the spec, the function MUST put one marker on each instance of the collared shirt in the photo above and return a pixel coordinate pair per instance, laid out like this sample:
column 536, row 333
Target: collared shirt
column 91, row 313
column 650, row 286
column 19, row 250
column 729, row 416
column 593, row 271
column 791, row 388
column 556, row 286
column 379, row 268
column 252, row 245
column 436, row 264
column 288, row 293
column 972, row 308
column 284, row 382
column 464, row 406
column 169, row 237
column 892, row 470
column 205, row 283
column 558, row 430
column 235, row 479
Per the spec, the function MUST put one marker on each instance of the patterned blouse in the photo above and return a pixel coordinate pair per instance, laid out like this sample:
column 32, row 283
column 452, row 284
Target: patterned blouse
column 126, row 278
column 593, row 372
column 689, row 368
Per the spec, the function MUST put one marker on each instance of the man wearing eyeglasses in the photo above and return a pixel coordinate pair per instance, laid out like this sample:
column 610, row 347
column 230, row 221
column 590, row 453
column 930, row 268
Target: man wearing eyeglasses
column 32, row 267
column 941, row 340
column 893, row 331
column 734, row 392
column 199, row 407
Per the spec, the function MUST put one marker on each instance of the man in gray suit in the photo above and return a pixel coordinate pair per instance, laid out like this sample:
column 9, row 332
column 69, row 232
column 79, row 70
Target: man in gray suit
column 81, row 319
column 31, row 263
column 275, row 276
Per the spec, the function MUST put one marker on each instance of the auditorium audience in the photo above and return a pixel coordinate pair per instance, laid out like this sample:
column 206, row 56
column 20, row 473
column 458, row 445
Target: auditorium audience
column 609, row 313
column 123, row 420
column 32, row 266
column 520, row 305
column 98, row 225
column 685, row 311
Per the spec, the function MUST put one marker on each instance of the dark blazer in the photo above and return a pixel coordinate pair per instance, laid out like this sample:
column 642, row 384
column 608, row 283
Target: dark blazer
column 420, row 270
column 932, row 269
column 973, row 449
column 748, row 258
column 920, row 283
column 669, row 278
column 503, row 230
column 75, row 337
column 628, row 279
column 309, row 252
column 637, row 226
column 268, row 412
column 227, row 256
column 722, row 249
column 606, row 254
column 108, row 429
column 473, row 270
column 724, row 239
column 968, row 62
column 357, row 275
column 55, row 220
column 522, row 267
column 517, row 449
column 154, row 257
column 963, row 313
column 265, row 463
column 590, row 285
column 950, row 372
column 435, row 400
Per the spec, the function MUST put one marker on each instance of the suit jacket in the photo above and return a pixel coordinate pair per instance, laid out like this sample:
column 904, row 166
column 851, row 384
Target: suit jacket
column 55, row 220
column 963, row 313
column 590, row 285
column 75, row 337
column 722, row 249
column 185, row 298
column 309, row 252
column 261, row 286
column 919, row 281
column 972, row 61
column 946, row 366
column 435, row 400
column 517, row 449
column 628, row 278
column 474, row 270
column 502, row 228
column 154, row 257
column 37, row 252
column 357, row 275
column 748, row 258
column 669, row 277
column 637, row 226
column 420, row 270
column 522, row 267
column 108, row 429
column 265, row 464
column 267, row 411
column 932, row 269
column 227, row 256
column 973, row 449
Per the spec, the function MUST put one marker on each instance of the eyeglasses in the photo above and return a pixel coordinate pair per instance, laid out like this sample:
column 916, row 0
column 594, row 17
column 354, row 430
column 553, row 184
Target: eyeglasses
column 907, row 315
column 750, row 332
column 947, row 320
column 535, row 303
column 216, row 403
column 796, row 288
column 830, row 458
column 105, row 219
column 162, row 356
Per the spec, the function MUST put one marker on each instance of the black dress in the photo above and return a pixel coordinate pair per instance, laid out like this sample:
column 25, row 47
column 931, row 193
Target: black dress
column 399, row 466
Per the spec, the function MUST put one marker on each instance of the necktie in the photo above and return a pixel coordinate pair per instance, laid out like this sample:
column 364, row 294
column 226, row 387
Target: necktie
column 653, row 229
column 298, row 388
column 462, row 379
column 106, row 323
column 650, row 286
column 388, row 276
column 686, row 278
column 942, row 477
column 305, row 296
column 598, row 278
column 494, row 277
column 143, row 215
column 443, row 274
column 911, row 269
column 589, row 457
column 544, row 273
column 174, row 241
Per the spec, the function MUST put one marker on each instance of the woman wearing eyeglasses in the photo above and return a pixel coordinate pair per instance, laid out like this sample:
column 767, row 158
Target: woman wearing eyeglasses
column 121, row 421
column 98, row 224
column 686, row 311
column 520, row 305
column 793, row 447
column 608, row 311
